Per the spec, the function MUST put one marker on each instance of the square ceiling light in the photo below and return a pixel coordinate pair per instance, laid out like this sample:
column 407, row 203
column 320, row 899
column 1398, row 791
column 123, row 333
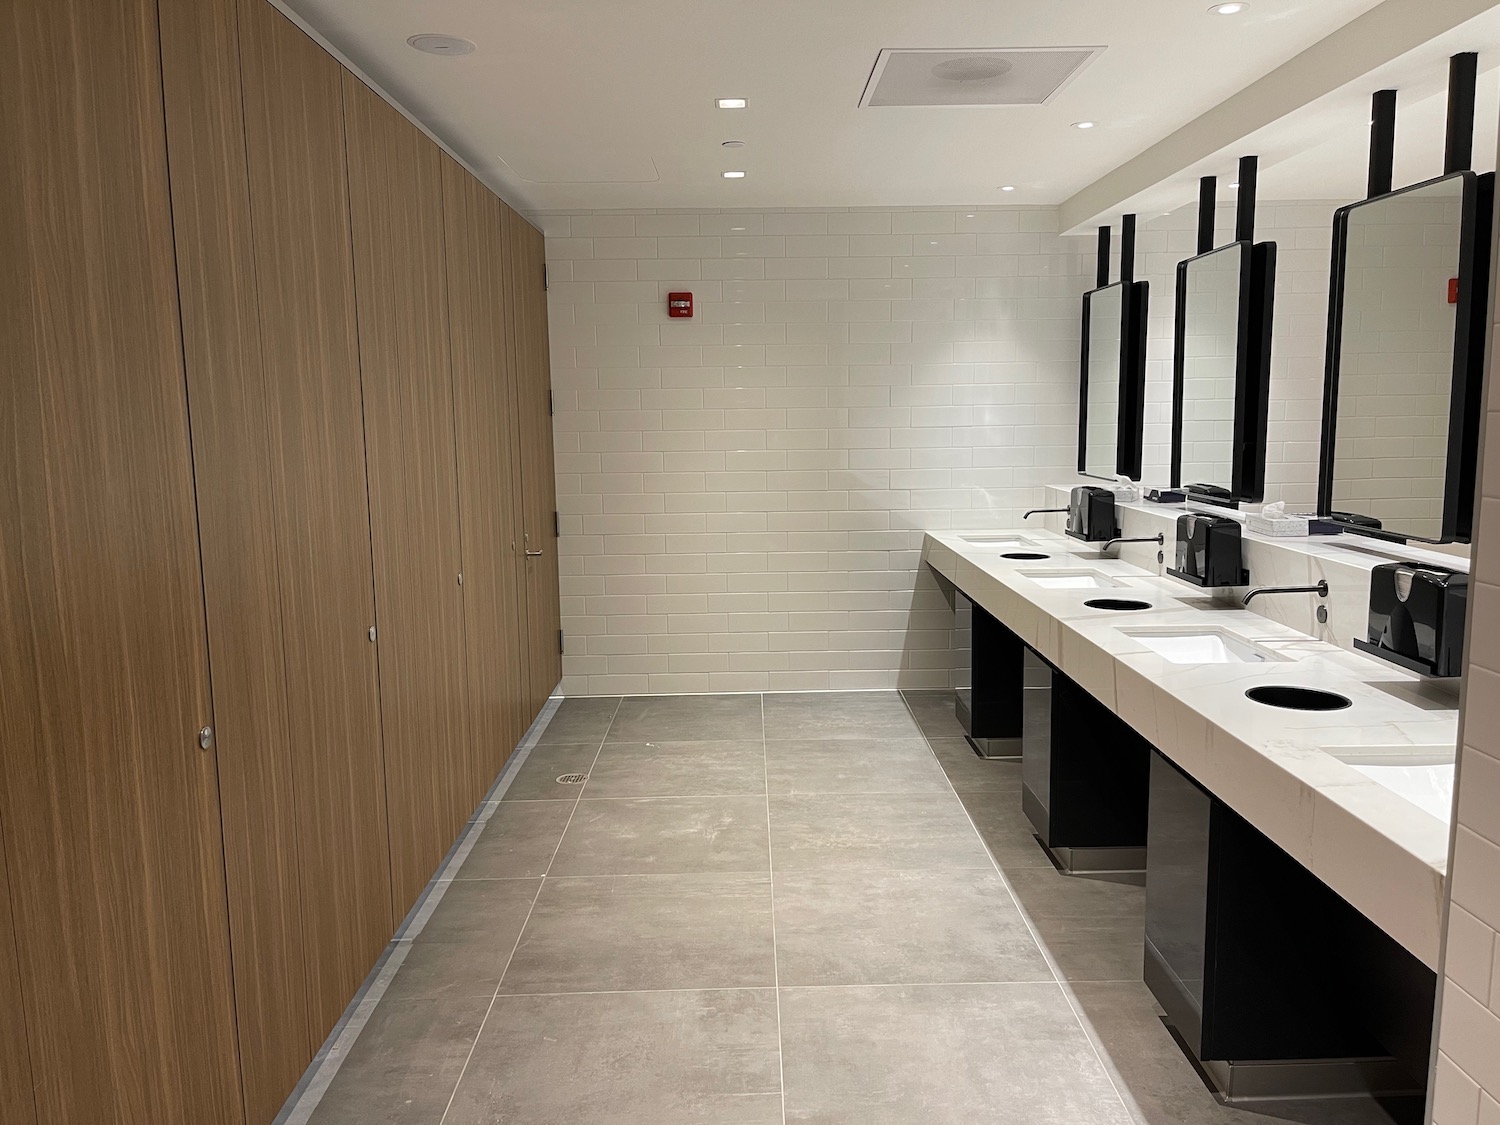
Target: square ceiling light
column 929, row 76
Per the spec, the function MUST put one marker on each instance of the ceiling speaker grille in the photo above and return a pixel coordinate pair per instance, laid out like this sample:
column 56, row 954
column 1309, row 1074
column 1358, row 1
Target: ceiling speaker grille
column 981, row 77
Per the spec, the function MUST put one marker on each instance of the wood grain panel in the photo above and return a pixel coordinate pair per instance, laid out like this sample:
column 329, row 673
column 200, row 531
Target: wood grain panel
column 305, row 287
column 488, row 471
column 395, row 190
column 110, row 809
column 230, row 404
column 17, row 1105
column 539, row 472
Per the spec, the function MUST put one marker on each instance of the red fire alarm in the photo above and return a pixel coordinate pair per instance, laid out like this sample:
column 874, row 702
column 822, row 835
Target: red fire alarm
column 1453, row 290
column 679, row 304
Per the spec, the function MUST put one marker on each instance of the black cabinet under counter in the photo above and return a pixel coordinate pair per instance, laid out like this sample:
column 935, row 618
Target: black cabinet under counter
column 1275, row 984
column 1084, row 775
column 988, row 698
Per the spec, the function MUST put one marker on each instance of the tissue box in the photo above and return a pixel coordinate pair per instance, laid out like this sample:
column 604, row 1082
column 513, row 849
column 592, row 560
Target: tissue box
column 1283, row 525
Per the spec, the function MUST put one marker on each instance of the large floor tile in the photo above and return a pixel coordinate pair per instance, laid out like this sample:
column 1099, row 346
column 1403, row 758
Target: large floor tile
column 435, row 969
column 970, row 773
column 638, row 1058
column 1002, row 1054
column 934, row 712
column 517, row 841
column 882, row 831
column 686, row 718
column 901, row 927
column 481, row 912
column 868, row 765
column 581, row 719
column 403, row 1067
column 849, row 714
column 678, row 769
column 536, row 780
column 1093, row 925
column 642, row 932
column 665, row 835
column 1004, row 829
column 1163, row 1085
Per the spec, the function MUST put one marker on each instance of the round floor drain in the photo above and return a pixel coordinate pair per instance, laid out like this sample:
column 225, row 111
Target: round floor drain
column 573, row 779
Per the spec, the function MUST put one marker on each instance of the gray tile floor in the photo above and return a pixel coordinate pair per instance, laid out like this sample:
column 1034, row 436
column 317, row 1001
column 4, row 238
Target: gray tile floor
column 759, row 910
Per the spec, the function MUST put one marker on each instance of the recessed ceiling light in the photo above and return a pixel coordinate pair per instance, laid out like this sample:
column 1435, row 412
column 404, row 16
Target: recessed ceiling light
column 734, row 175
column 1008, row 187
column 1083, row 124
column 440, row 44
column 731, row 103
column 1228, row 9
column 732, row 144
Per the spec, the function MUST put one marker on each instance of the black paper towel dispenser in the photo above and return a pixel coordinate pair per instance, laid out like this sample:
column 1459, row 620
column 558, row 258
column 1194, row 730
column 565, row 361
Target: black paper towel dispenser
column 1417, row 617
column 1091, row 514
column 1209, row 551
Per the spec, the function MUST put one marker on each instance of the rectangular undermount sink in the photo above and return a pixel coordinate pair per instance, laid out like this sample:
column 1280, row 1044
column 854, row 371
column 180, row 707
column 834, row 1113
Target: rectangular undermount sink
column 1190, row 645
column 1422, row 775
column 1061, row 578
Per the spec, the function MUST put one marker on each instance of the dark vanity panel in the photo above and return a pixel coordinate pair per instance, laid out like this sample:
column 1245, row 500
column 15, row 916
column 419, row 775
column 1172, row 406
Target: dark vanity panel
column 989, row 707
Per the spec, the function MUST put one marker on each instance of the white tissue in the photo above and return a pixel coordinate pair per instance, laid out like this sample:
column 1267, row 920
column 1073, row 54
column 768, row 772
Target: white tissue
column 1276, row 511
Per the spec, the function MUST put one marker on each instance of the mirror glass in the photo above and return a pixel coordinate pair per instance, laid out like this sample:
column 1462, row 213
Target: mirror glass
column 1394, row 377
column 1101, row 430
column 1209, row 347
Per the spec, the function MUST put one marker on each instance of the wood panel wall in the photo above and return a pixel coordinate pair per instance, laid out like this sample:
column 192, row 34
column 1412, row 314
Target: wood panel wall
column 110, row 809
column 275, row 379
column 401, row 285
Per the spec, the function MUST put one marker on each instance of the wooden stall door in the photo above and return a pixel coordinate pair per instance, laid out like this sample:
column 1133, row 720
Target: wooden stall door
column 110, row 809
column 539, row 472
column 395, row 188
column 489, row 475
column 17, row 1104
column 305, row 288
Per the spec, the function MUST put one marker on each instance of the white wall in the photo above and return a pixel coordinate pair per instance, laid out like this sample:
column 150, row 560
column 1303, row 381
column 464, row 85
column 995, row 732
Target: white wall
column 743, row 494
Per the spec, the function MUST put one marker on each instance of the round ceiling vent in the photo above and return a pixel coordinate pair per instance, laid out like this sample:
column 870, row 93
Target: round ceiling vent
column 971, row 68
column 440, row 44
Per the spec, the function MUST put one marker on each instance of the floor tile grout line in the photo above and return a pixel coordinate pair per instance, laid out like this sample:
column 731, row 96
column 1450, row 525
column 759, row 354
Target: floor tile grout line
column 804, row 987
column 541, row 886
column 771, row 877
column 1064, row 986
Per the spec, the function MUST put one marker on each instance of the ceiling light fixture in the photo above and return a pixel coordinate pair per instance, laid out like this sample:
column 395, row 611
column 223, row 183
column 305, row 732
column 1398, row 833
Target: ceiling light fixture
column 734, row 175
column 440, row 44
column 732, row 144
column 1008, row 187
column 1083, row 124
column 731, row 103
column 1233, row 9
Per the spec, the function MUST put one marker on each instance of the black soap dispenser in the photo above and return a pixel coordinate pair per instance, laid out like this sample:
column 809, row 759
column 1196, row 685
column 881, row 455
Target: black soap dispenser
column 1210, row 551
column 1417, row 617
column 1091, row 514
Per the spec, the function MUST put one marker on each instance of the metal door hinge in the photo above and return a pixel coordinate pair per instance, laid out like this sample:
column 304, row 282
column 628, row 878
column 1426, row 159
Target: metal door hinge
column 372, row 634
column 544, row 277
column 205, row 738
column 560, row 647
column 556, row 526
column 460, row 579
column 551, row 403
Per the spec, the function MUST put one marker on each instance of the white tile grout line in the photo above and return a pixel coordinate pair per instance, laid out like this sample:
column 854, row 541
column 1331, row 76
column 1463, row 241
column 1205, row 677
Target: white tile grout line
column 474, row 1045
column 323, row 1068
column 771, row 886
column 1126, row 1103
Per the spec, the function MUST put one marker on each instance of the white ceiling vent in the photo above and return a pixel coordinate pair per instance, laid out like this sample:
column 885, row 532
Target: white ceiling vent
column 987, row 76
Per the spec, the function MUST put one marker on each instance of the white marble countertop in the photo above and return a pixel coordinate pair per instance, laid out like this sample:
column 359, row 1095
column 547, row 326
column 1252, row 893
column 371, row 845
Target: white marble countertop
column 1381, row 852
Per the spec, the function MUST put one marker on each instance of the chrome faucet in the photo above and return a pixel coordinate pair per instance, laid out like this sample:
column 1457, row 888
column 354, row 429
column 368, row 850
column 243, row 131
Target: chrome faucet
column 1159, row 539
column 1321, row 589
column 1044, row 512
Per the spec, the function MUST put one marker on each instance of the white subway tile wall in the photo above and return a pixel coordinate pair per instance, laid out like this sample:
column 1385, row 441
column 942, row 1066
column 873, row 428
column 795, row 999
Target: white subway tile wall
column 1467, row 1088
column 743, row 494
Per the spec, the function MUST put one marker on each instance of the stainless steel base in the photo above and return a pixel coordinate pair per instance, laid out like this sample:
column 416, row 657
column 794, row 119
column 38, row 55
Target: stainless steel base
column 1238, row 1082
column 1095, row 861
column 996, row 749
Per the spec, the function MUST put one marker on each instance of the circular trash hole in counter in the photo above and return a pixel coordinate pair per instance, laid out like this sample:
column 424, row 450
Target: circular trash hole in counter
column 1298, row 698
column 1116, row 603
column 1025, row 556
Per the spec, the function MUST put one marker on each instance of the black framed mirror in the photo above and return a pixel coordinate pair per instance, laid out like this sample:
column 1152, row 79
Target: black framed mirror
column 1221, row 372
column 1405, row 360
column 1112, row 369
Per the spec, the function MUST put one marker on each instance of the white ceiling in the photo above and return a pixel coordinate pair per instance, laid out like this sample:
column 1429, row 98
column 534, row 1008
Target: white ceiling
column 1321, row 151
column 594, row 104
